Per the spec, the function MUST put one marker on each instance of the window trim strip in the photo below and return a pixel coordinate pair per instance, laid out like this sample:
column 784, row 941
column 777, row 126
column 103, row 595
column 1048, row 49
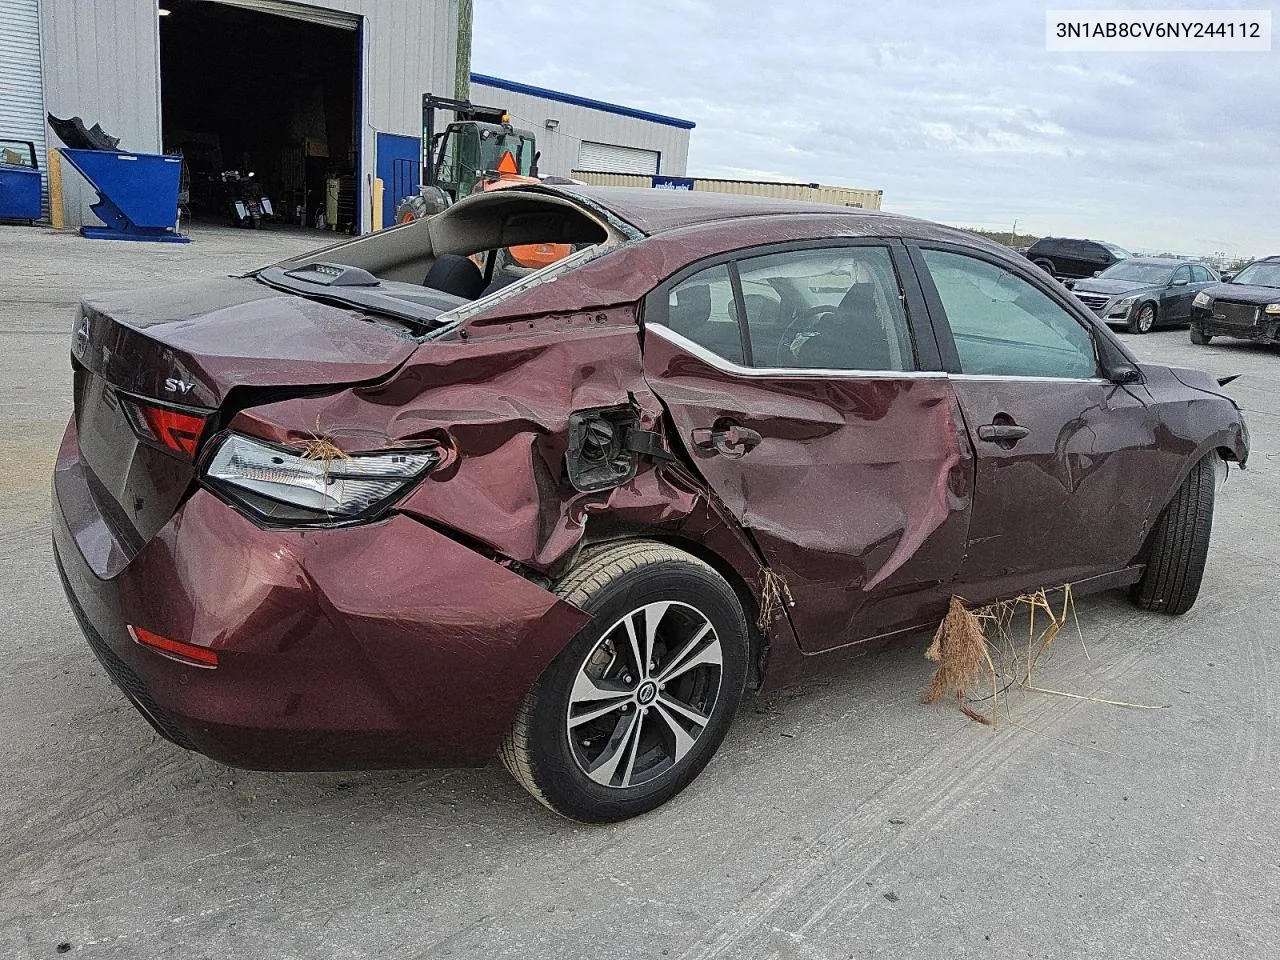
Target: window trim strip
column 728, row 366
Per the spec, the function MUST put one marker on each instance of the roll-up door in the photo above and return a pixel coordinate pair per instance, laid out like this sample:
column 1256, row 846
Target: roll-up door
column 318, row 15
column 609, row 158
column 21, row 86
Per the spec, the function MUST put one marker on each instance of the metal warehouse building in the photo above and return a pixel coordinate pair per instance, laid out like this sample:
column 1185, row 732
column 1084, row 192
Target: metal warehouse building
column 316, row 98
column 576, row 133
column 296, row 93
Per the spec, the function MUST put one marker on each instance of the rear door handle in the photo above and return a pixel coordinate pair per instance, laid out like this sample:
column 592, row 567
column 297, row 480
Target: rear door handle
column 1009, row 433
column 726, row 438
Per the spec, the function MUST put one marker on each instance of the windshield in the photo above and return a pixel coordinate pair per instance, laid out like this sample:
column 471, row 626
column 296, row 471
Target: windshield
column 1141, row 272
column 1260, row 274
column 1118, row 252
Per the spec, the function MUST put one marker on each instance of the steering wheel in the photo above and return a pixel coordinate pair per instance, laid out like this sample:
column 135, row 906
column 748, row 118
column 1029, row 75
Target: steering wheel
column 802, row 323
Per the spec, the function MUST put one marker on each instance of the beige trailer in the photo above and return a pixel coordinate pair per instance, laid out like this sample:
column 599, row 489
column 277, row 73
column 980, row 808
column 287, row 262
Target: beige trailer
column 817, row 193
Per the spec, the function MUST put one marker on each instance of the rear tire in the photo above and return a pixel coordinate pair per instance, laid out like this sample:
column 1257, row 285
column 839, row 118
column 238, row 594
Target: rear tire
column 597, row 763
column 1046, row 266
column 1143, row 319
column 1180, row 545
column 1199, row 337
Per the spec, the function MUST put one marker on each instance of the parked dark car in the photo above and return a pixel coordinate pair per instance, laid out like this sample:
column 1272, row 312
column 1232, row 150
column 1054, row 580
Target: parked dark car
column 1145, row 292
column 1246, row 307
column 1069, row 259
column 330, row 515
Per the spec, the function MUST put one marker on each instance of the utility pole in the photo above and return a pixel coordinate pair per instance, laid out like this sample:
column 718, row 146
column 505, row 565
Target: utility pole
column 462, row 76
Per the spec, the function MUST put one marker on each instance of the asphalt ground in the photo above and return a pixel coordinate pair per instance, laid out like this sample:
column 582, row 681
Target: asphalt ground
column 842, row 819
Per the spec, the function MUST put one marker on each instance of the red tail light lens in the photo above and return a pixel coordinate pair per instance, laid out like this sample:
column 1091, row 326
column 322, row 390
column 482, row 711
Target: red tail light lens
column 176, row 430
column 175, row 649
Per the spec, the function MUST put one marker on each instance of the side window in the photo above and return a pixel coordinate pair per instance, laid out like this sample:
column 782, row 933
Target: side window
column 1199, row 274
column 701, row 308
column 838, row 308
column 1004, row 326
column 1182, row 273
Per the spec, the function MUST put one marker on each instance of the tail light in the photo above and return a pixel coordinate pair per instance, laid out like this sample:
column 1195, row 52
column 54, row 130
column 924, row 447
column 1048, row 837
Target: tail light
column 177, row 430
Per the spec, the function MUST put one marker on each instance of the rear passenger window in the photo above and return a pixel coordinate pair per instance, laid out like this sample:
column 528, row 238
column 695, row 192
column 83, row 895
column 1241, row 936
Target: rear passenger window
column 702, row 309
column 1004, row 326
column 835, row 309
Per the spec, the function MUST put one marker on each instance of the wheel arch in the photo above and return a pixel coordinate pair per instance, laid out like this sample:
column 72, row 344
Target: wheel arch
column 743, row 588
column 1220, row 445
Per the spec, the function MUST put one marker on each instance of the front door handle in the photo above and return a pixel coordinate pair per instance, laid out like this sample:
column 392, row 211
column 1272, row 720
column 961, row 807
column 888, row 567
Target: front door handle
column 726, row 438
column 1002, row 433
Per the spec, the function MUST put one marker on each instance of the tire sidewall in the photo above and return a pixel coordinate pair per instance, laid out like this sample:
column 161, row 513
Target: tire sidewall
column 556, row 770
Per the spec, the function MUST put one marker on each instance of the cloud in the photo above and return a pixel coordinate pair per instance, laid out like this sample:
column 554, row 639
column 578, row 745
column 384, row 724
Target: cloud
column 956, row 111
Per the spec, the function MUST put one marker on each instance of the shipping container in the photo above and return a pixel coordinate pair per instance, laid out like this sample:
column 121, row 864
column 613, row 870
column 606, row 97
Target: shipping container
column 813, row 192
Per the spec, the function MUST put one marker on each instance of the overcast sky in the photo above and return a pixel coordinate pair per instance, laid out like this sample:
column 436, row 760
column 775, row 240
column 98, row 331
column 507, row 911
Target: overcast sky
column 955, row 110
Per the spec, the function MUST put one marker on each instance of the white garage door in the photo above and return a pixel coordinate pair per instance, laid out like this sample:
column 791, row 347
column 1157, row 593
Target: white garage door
column 21, row 89
column 609, row 158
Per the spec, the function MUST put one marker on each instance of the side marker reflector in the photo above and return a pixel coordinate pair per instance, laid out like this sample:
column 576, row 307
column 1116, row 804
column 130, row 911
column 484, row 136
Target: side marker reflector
column 175, row 649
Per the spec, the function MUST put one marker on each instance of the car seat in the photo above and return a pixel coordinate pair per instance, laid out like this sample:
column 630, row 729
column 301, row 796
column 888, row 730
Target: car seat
column 852, row 337
column 690, row 316
column 451, row 273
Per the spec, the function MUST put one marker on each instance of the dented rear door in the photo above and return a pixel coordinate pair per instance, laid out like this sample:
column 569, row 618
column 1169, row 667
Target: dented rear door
column 854, row 484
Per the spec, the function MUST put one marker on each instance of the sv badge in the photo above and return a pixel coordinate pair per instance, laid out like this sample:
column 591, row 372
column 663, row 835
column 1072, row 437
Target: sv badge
column 174, row 385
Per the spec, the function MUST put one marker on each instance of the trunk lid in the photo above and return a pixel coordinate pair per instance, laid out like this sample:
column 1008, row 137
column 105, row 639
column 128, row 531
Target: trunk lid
column 195, row 342
column 193, row 349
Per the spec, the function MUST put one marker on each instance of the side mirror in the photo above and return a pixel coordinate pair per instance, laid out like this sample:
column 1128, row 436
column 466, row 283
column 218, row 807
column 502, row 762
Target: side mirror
column 1097, row 273
column 1227, row 277
column 1179, row 282
column 1116, row 367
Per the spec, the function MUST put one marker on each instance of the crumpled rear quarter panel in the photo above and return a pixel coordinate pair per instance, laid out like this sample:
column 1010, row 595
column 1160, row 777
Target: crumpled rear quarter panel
column 502, row 407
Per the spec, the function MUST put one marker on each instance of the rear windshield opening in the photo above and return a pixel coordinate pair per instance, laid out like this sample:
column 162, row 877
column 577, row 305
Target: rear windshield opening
column 434, row 272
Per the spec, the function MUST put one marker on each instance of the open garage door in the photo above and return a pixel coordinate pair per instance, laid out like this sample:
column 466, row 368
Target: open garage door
column 266, row 88
column 610, row 158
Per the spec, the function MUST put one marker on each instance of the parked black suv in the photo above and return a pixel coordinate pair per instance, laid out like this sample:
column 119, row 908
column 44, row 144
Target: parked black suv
column 1072, row 259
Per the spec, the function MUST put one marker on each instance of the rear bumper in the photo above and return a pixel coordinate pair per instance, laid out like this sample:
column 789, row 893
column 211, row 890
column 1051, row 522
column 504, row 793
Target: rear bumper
column 385, row 645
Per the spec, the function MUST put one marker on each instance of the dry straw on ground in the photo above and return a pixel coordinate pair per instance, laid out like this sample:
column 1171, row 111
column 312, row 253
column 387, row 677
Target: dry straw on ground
column 975, row 647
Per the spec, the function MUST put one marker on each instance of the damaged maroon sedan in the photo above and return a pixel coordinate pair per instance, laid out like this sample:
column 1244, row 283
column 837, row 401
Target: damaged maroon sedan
column 405, row 502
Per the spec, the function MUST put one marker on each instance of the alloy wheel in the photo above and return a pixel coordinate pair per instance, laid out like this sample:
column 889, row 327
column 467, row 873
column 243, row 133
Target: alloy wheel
column 644, row 694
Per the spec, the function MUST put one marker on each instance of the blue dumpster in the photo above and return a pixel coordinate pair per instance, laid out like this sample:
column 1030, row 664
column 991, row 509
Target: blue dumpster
column 137, row 194
column 19, row 181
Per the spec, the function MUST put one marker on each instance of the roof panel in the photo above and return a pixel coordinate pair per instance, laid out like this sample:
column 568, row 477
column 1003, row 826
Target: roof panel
column 656, row 211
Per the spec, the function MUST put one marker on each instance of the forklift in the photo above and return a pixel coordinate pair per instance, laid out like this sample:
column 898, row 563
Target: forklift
column 479, row 149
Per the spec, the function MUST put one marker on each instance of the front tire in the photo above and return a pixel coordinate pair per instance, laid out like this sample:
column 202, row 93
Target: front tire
column 1180, row 546
column 635, row 706
column 1143, row 319
column 1199, row 337
column 1046, row 266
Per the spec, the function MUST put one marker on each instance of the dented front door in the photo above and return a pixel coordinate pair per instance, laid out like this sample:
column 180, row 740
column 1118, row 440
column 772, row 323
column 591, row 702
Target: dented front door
column 1065, row 458
column 855, row 488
